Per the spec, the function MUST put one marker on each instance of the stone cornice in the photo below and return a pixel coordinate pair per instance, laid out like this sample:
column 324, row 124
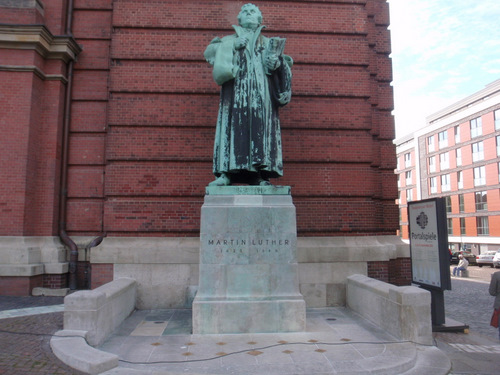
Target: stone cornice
column 40, row 39
column 36, row 71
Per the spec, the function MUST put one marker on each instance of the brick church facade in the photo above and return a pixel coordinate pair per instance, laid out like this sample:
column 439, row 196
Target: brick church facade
column 108, row 122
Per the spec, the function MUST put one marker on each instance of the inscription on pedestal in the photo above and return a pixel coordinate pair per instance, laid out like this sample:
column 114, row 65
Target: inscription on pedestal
column 247, row 250
column 248, row 266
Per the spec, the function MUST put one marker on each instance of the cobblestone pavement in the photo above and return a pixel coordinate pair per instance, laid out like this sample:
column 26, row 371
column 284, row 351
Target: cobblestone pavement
column 12, row 303
column 469, row 302
column 24, row 341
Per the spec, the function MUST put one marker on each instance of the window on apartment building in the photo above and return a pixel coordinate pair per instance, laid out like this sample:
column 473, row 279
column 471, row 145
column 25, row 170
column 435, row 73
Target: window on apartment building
column 497, row 119
column 433, row 185
column 399, row 180
column 462, row 226
column 432, row 164
column 498, row 145
column 458, row 156
column 481, row 201
column 443, row 139
column 430, row 143
column 456, row 131
column 409, row 195
column 498, row 172
column 477, row 151
column 482, row 226
column 445, row 182
column 476, row 127
column 479, row 176
column 448, row 204
column 460, row 179
column 444, row 160
column 408, row 160
column 461, row 203
column 408, row 178
column 450, row 227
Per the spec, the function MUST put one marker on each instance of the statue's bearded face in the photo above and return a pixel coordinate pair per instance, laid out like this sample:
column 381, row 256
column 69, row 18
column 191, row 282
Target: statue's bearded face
column 250, row 16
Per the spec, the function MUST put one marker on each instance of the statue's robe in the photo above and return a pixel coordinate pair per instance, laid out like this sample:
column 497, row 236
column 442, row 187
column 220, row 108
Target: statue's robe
column 248, row 136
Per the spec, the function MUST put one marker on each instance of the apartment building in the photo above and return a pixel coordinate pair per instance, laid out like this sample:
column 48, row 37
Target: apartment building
column 457, row 156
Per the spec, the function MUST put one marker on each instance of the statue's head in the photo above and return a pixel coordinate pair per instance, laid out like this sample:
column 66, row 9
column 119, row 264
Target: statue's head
column 250, row 16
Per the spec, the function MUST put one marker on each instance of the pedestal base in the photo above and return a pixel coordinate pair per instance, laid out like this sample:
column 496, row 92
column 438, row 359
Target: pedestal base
column 239, row 316
column 248, row 263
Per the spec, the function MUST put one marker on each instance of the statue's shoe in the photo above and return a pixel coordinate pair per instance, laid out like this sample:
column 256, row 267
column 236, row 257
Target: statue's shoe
column 222, row 180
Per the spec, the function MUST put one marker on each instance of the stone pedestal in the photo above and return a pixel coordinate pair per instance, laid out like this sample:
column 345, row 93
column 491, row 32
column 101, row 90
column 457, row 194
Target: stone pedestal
column 248, row 266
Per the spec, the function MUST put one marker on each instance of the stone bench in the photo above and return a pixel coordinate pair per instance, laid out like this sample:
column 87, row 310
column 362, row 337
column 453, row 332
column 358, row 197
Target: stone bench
column 101, row 310
column 464, row 273
column 90, row 316
column 404, row 312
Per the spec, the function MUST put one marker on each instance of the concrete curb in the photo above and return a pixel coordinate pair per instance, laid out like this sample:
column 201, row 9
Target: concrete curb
column 71, row 347
column 75, row 352
column 430, row 360
column 37, row 292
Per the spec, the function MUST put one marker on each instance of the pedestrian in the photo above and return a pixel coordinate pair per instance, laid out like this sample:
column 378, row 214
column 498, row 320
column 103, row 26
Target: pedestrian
column 495, row 292
column 462, row 266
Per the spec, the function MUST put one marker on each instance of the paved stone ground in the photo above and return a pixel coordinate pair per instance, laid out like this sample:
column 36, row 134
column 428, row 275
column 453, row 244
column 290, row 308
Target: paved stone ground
column 469, row 302
column 24, row 341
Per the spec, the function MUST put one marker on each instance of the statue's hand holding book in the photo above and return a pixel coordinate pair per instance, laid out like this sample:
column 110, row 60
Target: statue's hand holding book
column 275, row 49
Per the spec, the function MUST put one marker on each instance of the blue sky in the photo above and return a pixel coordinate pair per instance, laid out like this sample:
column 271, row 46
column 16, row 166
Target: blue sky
column 442, row 51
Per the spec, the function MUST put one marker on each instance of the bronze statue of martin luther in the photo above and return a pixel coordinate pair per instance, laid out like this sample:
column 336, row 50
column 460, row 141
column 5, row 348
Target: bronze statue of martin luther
column 255, row 79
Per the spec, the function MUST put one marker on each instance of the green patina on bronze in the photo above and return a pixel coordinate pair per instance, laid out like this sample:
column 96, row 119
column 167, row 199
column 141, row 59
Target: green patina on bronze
column 255, row 78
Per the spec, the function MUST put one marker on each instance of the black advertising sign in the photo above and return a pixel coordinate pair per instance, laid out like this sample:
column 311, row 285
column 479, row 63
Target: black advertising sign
column 428, row 234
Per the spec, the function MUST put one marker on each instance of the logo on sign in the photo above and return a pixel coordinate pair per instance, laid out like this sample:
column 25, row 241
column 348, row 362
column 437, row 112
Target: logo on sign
column 422, row 220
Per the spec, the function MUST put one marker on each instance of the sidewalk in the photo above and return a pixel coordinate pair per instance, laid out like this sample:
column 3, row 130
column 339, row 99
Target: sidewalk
column 470, row 353
column 477, row 274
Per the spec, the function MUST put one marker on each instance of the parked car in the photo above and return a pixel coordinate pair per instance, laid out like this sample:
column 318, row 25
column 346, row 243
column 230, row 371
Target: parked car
column 471, row 258
column 486, row 258
column 496, row 259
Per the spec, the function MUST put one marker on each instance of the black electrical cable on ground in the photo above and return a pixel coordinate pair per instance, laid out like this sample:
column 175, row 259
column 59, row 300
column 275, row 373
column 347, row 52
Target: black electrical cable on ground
column 227, row 354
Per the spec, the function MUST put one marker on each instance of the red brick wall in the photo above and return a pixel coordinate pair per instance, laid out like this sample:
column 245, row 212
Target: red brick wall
column 144, row 107
column 55, row 281
column 89, row 117
column 143, row 113
column 26, row 16
column 19, row 285
column 144, row 169
column 30, row 145
column 101, row 274
column 14, row 150
column 396, row 271
column 401, row 271
column 379, row 270
column 31, row 118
